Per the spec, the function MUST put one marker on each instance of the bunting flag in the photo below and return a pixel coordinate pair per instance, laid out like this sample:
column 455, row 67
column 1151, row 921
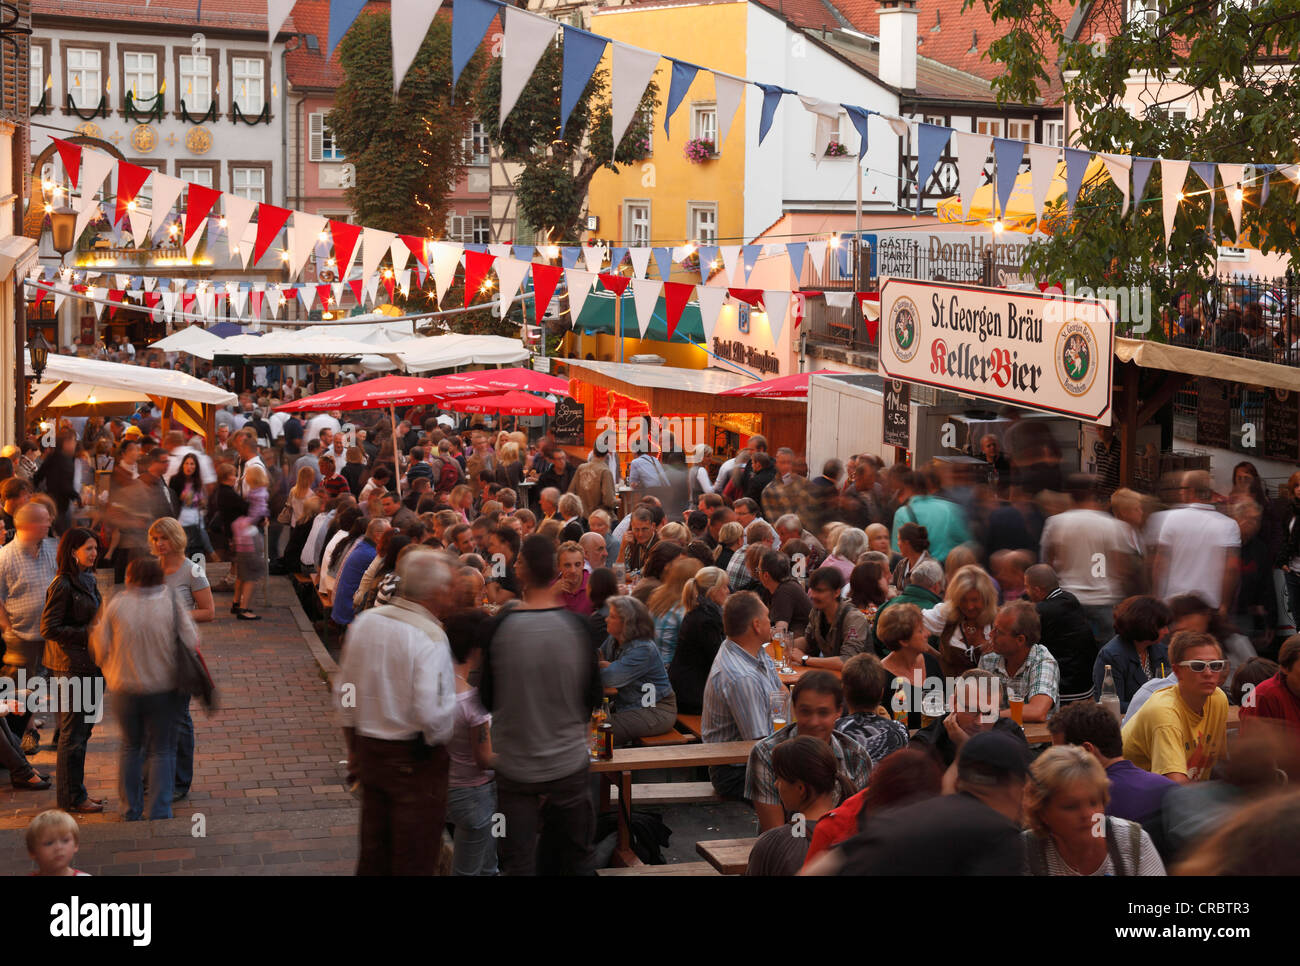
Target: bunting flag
column 615, row 283
column 139, row 219
column 524, row 253
column 1007, row 155
column 303, row 234
column 239, row 213
column 748, row 259
column 771, row 98
column 545, row 280
column 752, row 297
column 817, row 252
column 499, row 250
column 270, row 219
column 255, row 300
column 582, row 54
column 345, row 238
column 476, row 269
column 731, row 262
column 403, row 279
column 569, row 256
column 70, row 155
column 165, row 191
column 374, row 246
column 931, row 139
column 594, row 257
column 972, row 150
column 468, row 26
column 775, row 305
column 727, row 92
column 1141, row 174
column 1205, row 171
column 392, row 294
column 88, row 213
column 708, row 255
column 640, row 258
column 683, row 75
column 410, row 21
column 324, row 294
column 95, row 167
column 277, row 12
column 130, row 179
column 399, row 253
column 307, row 295
column 1231, row 175
column 1042, row 169
column 1173, row 175
column 197, row 206
column 526, row 38
column 342, row 14
column 633, row 69
column 866, row 301
column 710, row 298
column 510, row 273
column 616, row 256
column 1263, row 184
column 417, row 247
column 1076, row 165
column 795, row 251
column 645, row 296
column 676, row 295
column 579, row 284
column 664, row 262
column 446, row 256
column 858, row 116
column 1118, row 167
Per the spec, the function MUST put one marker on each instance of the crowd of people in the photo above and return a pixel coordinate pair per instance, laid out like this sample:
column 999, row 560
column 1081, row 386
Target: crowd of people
column 493, row 603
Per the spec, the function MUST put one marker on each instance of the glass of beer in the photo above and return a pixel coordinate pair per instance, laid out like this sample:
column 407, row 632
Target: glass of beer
column 1016, row 702
column 778, row 648
column 786, row 639
column 778, row 705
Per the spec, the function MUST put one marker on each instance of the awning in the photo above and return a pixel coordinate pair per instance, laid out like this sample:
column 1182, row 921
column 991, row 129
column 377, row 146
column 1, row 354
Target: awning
column 598, row 316
column 17, row 252
column 193, row 340
column 429, row 353
column 1197, row 362
column 710, row 381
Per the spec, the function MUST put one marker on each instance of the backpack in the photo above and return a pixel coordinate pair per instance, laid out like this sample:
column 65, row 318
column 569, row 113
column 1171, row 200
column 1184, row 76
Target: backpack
column 449, row 477
column 1126, row 860
column 647, row 834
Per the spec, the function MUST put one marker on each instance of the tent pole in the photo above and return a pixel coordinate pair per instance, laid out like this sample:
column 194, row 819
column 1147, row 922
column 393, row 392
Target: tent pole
column 397, row 461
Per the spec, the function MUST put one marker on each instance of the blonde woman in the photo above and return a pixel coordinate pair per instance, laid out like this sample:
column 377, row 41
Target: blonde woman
column 510, row 469
column 964, row 620
column 666, row 605
column 730, row 537
column 1069, row 832
column 304, row 504
column 699, row 636
column 250, row 549
column 675, row 533
column 461, row 499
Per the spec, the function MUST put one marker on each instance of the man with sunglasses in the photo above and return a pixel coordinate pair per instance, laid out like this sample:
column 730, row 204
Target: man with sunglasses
column 1181, row 731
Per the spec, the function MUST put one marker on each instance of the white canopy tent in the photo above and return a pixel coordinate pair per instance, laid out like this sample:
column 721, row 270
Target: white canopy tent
column 193, row 339
column 430, row 353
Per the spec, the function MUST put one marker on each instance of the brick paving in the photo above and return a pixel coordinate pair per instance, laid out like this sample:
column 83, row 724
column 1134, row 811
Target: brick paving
column 267, row 783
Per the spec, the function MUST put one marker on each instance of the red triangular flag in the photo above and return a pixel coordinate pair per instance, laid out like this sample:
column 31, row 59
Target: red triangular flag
column 270, row 219
column 615, row 283
column 40, row 295
column 186, row 302
column 358, row 287
column 476, row 269
column 873, row 325
column 115, row 294
column 545, row 278
column 255, row 304
column 416, row 245
column 71, row 155
column 388, row 284
column 324, row 295
column 751, row 296
column 130, row 179
column 345, row 241
column 676, row 294
column 199, row 204
column 151, row 299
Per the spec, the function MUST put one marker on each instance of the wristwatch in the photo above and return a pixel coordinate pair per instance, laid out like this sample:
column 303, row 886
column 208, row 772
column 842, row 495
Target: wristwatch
column 803, row 660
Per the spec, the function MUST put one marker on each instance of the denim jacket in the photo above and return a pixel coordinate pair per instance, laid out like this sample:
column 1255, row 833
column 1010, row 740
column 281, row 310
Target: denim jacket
column 632, row 666
column 1126, row 668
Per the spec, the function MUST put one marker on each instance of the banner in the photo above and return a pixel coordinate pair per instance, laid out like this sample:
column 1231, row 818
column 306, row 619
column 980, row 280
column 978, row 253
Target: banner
column 1042, row 352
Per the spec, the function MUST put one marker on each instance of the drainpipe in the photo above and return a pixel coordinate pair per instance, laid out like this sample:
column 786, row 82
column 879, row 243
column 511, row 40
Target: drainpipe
column 284, row 128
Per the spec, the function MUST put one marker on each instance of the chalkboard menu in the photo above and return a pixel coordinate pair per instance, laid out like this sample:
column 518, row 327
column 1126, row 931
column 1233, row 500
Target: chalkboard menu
column 568, row 422
column 898, row 414
column 1281, row 425
column 1213, row 414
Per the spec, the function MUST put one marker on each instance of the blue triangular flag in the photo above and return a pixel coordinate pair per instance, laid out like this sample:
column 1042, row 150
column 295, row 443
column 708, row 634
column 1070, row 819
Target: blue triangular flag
column 931, row 139
column 474, row 247
column 683, row 74
column 582, row 52
column 1263, row 169
column 663, row 259
column 708, row 255
column 137, row 281
column 569, row 256
column 859, row 115
column 523, row 252
column 1141, row 172
column 1076, row 163
column 342, row 13
column 771, row 97
column 616, row 256
column 468, row 25
column 1007, row 155
column 749, row 257
column 796, row 251
column 842, row 255
column 1205, row 171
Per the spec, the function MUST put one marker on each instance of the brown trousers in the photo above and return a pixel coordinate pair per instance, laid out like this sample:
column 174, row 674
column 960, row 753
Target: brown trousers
column 403, row 805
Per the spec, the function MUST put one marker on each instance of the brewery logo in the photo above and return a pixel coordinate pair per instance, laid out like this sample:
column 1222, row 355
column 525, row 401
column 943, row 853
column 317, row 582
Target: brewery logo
column 904, row 323
column 1076, row 357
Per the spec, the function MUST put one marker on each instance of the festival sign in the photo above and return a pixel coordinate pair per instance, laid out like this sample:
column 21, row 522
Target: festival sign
column 1045, row 352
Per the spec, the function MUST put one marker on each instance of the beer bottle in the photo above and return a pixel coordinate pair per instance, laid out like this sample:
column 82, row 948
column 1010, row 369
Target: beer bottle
column 605, row 734
column 1109, row 696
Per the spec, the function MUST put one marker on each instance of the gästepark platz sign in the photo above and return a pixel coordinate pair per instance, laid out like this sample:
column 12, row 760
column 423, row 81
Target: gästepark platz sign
column 1044, row 352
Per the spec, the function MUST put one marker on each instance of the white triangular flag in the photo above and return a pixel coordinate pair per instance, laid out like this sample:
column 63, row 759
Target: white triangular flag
column 150, row 283
column 839, row 300
column 372, row 288
column 633, row 69
column 85, row 216
column 304, row 233
column 374, row 245
column 139, row 219
column 1172, row 176
column 164, row 191
column 238, row 301
column 579, row 284
column 239, row 213
column 500, row 251
column 400, row 254
column 1231, row 175
column 898, row 125
column 593, row 256
column 337, row 291
column 972, row 152
column 727, row 93
column 58, row 302
column 645, row 295
column 402, row 280
column 526, row 39
column 307, row 295
column 1042, row 169
column 730, row 262
column 1119, row 166
column 411, row 20
column 446, row 256
column 711, row 298
column 206, row 302
column 817, row 255
column 192, row 245
column 169, row 304
column 95, row 167
column 640, row 256
column 510, row 272
column 776, row 304
column 122, row 281
column 277, row 12
column 98, row 293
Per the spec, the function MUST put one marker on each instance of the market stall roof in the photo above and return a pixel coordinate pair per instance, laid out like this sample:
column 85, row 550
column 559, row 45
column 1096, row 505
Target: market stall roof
column 428, row 353
column 368, row 394
column 291, row 345
column 382, row 331
column 1197, row 362
column 710, row 381
column 193, row 340
column 794, row 386
column 493, row 382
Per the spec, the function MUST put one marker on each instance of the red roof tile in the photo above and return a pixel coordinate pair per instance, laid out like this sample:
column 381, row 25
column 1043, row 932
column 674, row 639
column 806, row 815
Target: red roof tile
column 233, row 14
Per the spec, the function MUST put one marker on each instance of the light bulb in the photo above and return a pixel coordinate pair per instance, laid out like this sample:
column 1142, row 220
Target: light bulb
column 835, row 242
column 1181, row 196
column 284, row 255
column 998, row 227
column 1238, row 195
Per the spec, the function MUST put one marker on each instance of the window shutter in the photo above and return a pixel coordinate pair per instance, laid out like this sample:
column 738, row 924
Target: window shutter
column 316, row 135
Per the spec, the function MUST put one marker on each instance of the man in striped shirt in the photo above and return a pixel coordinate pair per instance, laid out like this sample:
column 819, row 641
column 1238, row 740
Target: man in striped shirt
column 736, row 703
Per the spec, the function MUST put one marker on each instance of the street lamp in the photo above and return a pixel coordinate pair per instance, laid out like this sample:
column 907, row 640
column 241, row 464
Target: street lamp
column 63, row 226
column 38, row 353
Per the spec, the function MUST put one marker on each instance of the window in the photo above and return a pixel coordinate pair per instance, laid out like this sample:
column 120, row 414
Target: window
column 704, row 123
column 991, row 126
column 196, row 83
column 637, row 223
column 36, row 74
column 1020, row 130
column 85, row 77
column 323, row 145
column 482, row 229
column 703, row 220
column 475, row 144
column 140, row 74
column 247, row 83
column 249, row 183
column 201, row 176
column 938, row 119
column 828, row 128
column 1143, row 13
column 469, row 229
column 1054, row 133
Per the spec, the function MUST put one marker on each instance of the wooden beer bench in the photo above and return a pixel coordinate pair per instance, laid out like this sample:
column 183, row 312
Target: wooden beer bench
column 692, row 724
column 681, row 868
column 728, row 856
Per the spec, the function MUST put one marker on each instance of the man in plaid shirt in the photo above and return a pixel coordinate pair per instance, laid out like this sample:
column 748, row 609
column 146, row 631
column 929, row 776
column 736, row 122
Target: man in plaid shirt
column 1027, row 668
column 788, row 493
column 817, row 698
column 738, row 574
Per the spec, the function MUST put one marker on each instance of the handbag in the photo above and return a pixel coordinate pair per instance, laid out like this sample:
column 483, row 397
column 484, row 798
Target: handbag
column 192, row 675
column 285, row 516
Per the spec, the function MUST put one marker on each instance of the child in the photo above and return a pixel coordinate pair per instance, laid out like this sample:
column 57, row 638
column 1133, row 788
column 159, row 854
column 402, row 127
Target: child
column 250, row 555
column 53, row 838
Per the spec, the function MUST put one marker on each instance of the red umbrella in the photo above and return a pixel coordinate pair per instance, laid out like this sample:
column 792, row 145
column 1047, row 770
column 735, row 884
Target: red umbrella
column 510, row 404
column 786, row 387
column 497, row 381
column 381, row 393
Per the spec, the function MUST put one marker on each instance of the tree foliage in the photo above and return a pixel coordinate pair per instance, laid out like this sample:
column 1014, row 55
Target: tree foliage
column 1228, row 61
column 407, row 150
column 558, row 165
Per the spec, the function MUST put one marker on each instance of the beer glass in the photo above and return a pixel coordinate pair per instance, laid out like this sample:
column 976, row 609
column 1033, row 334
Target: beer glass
column 778, row 705
column 1016, row 702
column 786, row 639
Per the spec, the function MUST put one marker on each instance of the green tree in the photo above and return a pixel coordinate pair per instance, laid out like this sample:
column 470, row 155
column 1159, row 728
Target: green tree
column 1227, row 56
column 558, row 166
column 407, row 150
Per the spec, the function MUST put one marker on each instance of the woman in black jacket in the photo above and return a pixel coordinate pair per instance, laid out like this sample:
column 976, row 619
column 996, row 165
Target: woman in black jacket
column 71, row 604
column 601, row 586
column 698, row 638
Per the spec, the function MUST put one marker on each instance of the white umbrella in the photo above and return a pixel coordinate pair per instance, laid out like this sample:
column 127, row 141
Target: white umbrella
column 193, row 339
column 428, row 353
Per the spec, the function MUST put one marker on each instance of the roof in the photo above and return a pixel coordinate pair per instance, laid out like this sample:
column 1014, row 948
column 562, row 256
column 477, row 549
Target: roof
column 117, row 381
column 933, row 79
column 711, row 381
column 229, row 14
column 308, row 68
column 1199, row 363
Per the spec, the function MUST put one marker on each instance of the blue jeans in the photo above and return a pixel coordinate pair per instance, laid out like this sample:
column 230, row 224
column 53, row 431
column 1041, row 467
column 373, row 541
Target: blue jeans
column 70, row 772
column 184, row 748
column 471, row 809
column 148, row 724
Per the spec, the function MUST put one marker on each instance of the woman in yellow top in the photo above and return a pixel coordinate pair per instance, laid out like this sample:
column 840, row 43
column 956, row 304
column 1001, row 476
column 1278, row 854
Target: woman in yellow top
column 1181, row 731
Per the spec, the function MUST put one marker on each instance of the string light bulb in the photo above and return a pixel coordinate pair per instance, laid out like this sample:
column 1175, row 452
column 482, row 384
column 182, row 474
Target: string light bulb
column 1238, row 194
column 1181, row 196
column 998, row 227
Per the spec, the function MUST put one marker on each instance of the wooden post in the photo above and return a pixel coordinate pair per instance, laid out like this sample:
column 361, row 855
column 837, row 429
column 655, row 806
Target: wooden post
column 1128, row 424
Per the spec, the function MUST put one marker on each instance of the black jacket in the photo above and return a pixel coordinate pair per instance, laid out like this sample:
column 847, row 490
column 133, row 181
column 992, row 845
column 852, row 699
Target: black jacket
column 698, row 639
column 57, row 472
column 1290, row 536
column 70, row 609
column 1068, row 637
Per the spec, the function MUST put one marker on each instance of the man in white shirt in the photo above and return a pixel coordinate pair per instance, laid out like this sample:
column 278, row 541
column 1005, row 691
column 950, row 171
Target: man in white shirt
column 321, row 421
column 397, row 695
column 1197, row 548
column 277, row 421
column 246, row 447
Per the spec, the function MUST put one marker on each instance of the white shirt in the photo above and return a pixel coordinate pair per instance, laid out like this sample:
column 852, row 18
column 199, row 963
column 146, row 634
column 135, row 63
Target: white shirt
column 1195, row 539
column 317, row 423
column 255, row 461
column 277, row 421
column 1079, row 544
column 311, row 549
column 402, row 676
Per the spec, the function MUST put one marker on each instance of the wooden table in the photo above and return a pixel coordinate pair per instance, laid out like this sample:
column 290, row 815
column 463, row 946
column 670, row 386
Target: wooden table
column 1037, row 733
column 789, row 679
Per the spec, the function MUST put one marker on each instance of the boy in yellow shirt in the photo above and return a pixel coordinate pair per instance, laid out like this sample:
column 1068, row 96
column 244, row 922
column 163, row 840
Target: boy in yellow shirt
column 1181, row 731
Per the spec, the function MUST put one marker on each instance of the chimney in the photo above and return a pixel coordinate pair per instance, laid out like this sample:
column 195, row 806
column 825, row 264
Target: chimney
column 898, row 43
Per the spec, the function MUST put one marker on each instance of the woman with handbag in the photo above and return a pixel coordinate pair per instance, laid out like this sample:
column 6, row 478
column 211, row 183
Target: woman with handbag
column 136, row 643
column 71, row 605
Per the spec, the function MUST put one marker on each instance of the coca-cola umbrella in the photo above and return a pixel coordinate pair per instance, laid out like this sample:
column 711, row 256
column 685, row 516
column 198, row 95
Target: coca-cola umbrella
column 785, row 387
column 382, row 393
column 509, row 404
column 497, row 381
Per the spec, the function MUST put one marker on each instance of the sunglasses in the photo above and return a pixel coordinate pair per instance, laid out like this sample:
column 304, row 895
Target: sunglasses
column 1196, row 667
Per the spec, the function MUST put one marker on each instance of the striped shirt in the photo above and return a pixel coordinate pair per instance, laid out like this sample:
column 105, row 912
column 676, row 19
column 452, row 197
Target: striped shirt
column 760, row 779
column 736, row 705
column 24, row 579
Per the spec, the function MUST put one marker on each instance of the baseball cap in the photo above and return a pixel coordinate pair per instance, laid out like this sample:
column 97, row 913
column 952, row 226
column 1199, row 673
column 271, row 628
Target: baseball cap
column 989, row 758
column 132, row 432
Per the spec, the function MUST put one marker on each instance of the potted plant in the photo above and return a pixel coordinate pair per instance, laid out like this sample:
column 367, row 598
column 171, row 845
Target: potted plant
column 699, row 150
column 836, row 150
